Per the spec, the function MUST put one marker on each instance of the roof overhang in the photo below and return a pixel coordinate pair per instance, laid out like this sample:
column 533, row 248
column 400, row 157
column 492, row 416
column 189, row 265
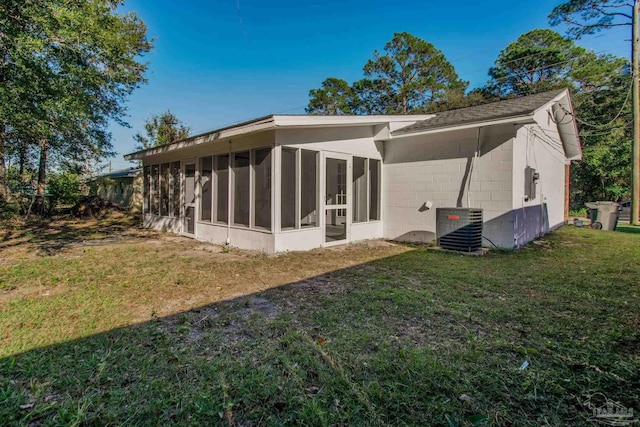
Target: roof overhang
column 560, row 108
column 564, row 117
column 526, row 119
column 280, row 122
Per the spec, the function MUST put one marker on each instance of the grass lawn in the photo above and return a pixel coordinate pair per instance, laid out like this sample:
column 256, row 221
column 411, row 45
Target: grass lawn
column 103, row 323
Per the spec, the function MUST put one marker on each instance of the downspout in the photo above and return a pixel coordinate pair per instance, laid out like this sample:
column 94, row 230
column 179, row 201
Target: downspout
column 473, row 162
column 229, row 189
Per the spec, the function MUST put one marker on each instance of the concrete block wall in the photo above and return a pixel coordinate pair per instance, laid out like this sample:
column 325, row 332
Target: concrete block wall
column 437, row 168
column 535, row 147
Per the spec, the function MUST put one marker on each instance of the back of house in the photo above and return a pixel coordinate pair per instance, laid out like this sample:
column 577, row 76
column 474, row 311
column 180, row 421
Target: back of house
column 286, row 182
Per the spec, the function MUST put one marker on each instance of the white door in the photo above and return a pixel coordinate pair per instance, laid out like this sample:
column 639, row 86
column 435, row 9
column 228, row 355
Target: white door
column 337, row 198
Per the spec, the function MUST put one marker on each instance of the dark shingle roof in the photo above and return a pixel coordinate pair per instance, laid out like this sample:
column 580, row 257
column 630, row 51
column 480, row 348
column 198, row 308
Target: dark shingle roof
column 122, row 173
column 481, row 113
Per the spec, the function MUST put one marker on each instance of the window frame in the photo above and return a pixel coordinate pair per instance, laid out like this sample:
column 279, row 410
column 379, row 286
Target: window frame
column 298, row 189
column 152, row 189
column 378, row 162
column 253, row 182
column 234, row 191
column 212, row 189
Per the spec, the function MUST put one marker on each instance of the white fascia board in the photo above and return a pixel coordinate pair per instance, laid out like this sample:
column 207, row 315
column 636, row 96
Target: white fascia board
column 222, row 134
column 568, row 133
column 323, row 121
column 528, row 119
column 567, row 130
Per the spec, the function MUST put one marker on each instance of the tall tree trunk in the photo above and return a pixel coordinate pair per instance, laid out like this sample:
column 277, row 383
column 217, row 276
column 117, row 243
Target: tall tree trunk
column 22, row 158
column 4, row 191
column 39, row 205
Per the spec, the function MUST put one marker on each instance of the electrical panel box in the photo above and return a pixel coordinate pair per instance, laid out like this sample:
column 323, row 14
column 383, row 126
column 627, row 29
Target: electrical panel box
column 531, row 177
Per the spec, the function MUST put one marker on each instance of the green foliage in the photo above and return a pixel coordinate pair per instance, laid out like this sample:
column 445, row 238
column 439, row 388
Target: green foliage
column 161, row 129
column 604, row 173
column 65, row 187
column 411, row 76
column 67, row 67
column 542, row 60
column 589, row 16
column 457, row 100
column 538, row 61
column 334, row 97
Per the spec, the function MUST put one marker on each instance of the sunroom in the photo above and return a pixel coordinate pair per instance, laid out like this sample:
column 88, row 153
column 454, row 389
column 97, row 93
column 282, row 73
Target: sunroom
column 273, row 184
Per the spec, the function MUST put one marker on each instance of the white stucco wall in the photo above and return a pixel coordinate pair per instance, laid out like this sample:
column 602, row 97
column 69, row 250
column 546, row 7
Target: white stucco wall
column 354, row 140
column 436, row 168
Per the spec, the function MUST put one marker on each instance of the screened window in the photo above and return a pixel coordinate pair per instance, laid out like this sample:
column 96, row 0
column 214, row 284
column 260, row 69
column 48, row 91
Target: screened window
column 299, row 189
column 309, row 189
column 222, row 188
column 206, row 188
column 262, row 188
column 155, row 189
column 164, row 189
column 242, row 182
column 288, row 189
column 360, row 202
column 146, row 190
column 374, row 185
column 175, row 186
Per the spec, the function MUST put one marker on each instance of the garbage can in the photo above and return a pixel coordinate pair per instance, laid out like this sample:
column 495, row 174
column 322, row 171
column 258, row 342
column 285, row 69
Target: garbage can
column 604, row 215
column 592, row 213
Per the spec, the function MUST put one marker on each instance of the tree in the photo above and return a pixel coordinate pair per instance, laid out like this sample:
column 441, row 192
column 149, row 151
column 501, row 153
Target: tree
column 369, row 97
column 161, row 129
column 458, row 100
column 590, row 16
column 334, row 97
column 412, row 74
column 537, row 61
column 605, row 122
column 543, row 60
column 66, row 69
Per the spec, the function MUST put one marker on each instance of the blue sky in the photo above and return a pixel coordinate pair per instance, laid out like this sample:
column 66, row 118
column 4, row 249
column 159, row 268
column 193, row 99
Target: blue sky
column 218, row 62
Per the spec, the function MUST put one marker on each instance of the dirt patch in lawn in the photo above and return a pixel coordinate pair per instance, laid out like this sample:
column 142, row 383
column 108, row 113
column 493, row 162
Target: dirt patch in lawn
column 112, row 273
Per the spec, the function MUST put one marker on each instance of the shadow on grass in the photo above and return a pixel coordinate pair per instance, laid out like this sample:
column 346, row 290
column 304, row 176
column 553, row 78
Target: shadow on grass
column 53, row 235
column 628, row 229
column 409, row 339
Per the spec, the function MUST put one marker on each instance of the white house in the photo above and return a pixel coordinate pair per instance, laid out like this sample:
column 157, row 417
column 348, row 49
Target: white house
column 284, row 182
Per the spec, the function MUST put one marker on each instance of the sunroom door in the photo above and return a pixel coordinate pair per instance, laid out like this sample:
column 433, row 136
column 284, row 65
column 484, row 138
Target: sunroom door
column 189, row 205
column 337, row 218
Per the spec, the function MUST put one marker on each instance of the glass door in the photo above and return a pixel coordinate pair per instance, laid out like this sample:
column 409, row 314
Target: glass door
column 189, row 218
column 337, row 198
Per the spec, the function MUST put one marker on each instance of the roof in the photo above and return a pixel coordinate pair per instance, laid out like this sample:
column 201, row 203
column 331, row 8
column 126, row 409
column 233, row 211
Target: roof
column 510, row 108
column 519, row 110
column 122, row 173
column 279, row 121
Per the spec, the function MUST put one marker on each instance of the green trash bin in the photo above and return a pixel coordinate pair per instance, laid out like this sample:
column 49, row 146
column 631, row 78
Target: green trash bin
column 592, row 214
column 604, row 215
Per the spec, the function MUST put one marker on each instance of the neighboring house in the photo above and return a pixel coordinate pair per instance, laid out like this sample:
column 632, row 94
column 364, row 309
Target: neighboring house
column 123, row 187
column 284, row 182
